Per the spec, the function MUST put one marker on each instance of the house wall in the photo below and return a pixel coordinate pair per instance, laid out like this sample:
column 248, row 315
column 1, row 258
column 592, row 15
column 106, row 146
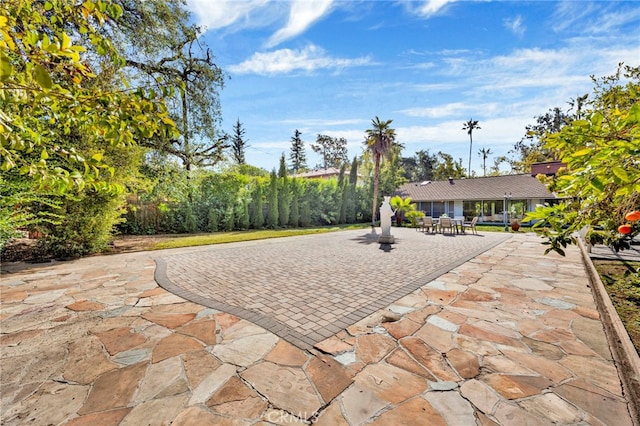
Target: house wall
column 437, row 208
column 457, row 209
column 494, row 211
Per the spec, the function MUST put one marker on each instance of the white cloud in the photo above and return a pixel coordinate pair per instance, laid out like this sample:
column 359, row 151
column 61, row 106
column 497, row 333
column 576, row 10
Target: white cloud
column 515, row 25
column 560, row 72
column 224, row 13
column 594, row 17
column 431, row 7
column 317, row 122
column 611, row 22
column 499, row 134
column 432, row 87
column 285, row 61
column 447, row 110
column 237, row 15
column 570, row 14
column 424, row 66
column 302, row 14
column 457, row 109
column 279, row 144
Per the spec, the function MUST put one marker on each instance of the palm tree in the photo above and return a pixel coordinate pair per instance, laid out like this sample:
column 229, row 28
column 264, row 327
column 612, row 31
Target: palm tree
column 380, row 139
column 484, row 153
column 470, row 126
column 401, row 206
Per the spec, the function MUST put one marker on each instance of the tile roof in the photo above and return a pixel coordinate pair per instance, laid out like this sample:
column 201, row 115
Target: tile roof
column 522, row 186
column 320, row 173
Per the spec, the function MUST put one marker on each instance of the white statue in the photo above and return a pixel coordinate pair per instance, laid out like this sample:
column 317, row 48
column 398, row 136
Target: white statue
column 386, row 212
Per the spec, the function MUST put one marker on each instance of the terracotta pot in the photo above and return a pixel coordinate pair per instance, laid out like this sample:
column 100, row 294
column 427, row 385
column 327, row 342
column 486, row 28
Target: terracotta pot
column 515, row 225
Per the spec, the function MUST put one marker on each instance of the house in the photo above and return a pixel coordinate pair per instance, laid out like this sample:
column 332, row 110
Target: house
column 548, row 168
column 328, row 173
column 485, row 197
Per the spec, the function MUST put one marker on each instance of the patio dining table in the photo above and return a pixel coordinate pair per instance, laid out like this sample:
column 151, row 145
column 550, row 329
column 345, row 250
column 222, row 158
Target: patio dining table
column 457, row 223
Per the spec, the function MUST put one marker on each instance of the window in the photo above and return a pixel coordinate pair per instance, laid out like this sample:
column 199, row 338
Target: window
column 517, row 209
column 471, row 209
column 437, row 208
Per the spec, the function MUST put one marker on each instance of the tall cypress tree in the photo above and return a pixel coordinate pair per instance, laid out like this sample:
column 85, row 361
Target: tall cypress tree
column 243, row 220
column 272, row 208
column 284, row 196
column 238, row 143
column 297, row 156
column 257, row 214
column 305, row 213
column 294, row 216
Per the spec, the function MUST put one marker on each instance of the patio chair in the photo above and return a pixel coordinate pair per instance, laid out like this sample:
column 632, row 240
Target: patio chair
column 427, row 223
column 471, row 225
column 446, row 223
column 457, row 223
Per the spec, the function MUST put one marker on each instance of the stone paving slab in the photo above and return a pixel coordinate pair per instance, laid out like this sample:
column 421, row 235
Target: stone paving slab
column 632, row 254
column 511, row 337
column 306, row 289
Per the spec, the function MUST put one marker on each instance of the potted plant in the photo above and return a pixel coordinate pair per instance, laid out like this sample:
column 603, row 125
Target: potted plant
column 515, row 225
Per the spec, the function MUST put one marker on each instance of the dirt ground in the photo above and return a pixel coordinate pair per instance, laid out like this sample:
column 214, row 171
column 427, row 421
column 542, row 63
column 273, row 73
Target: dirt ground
column 131, row 243
column 24, row 249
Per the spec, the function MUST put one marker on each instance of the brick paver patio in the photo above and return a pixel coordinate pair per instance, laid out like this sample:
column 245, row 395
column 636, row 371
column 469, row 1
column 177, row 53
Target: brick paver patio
column 308, row 288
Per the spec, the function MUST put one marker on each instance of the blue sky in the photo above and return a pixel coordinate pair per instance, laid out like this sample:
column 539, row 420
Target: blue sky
column 329, row 67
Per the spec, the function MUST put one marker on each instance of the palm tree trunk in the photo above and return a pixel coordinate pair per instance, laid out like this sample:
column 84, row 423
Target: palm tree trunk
column 470, row 144
column 376, row 184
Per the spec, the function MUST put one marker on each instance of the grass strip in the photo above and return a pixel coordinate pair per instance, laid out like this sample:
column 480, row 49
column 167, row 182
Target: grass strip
column 234, row 237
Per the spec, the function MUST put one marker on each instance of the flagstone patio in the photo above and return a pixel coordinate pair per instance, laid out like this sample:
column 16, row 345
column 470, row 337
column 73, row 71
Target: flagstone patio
column 508, row 337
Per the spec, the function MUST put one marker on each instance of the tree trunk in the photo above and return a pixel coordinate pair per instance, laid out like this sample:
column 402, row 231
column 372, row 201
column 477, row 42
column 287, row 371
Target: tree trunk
column 470, row 145
column 376, row 183
column 185, row 134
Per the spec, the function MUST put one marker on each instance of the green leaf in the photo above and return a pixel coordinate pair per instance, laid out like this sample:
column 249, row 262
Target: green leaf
column 66, row 41
column 595, row 182
column 44, row 155
column 5, row 67
column 634, row 114
column 7, row 165
column 597, row 118
column 115, row 11
column 42, row 77
column 621, row 174
column 582, row 152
